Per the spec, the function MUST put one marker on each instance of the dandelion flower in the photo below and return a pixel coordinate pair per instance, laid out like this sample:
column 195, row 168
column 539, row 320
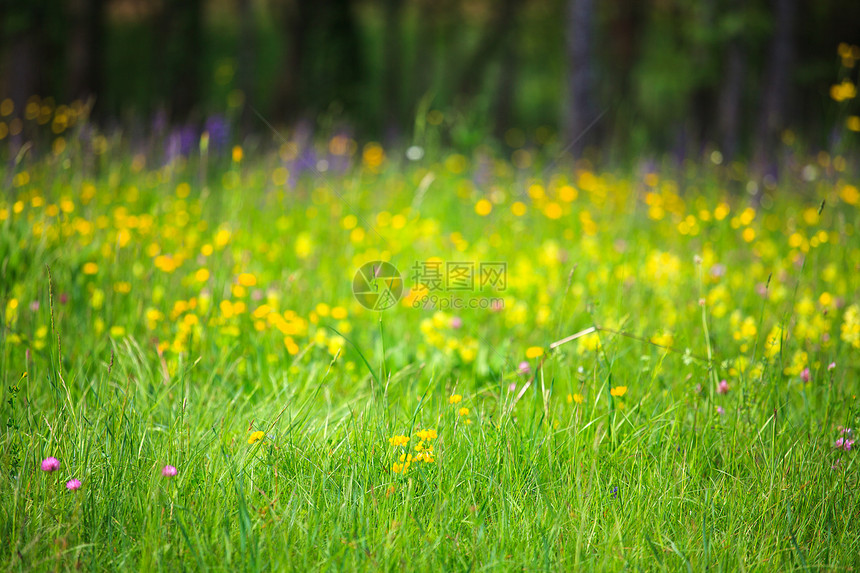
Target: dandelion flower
column 51, row 464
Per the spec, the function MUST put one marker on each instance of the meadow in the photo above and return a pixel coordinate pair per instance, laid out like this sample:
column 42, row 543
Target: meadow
column 650, row 368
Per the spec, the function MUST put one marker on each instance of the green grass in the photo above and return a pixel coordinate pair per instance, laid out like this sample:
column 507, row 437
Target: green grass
column 134, row 361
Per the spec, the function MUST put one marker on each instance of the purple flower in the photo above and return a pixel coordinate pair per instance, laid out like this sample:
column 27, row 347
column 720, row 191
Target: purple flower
column 219, row 132
column 73, row 484
column 524, row 367
column 844, row 444
column 50, row 464
column 456, row 323
column 718, row 270
column 805, row 375
column 831, row 366
column 723, row 387
column 720, row 410
column 180, row 143
column 168, row 471
column 615, row 491
column 512, row 387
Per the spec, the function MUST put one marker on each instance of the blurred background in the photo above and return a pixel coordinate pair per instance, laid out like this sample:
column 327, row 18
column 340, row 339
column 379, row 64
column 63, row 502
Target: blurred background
column 683, row 76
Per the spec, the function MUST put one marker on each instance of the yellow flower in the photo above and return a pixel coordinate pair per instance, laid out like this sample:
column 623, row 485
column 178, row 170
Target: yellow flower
column 844, row 91
column 373, row 155
column 90, row 268
column 553, row 210
column 400, row 468
column 454, row 399
column 618, row 391
column 463, row 411
column 398, row 440
column 534, row 352
column 247, row 280
column 850, row 329
column 578, row 398
column 483, row 207
column 850, row 194
column 256, row 437
column 425, row 435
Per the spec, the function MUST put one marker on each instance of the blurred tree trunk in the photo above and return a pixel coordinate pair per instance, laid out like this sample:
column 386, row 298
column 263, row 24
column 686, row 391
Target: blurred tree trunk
column 246, row 57
column 704, row 96
column 731, row 98
column 497, row 34
column 290, row 99
column 185, row 21
column 505, row 90
column 339, row 65
column 23, row 68
column 581, row 74
column 422, row 79
column 628, row 16
column 86, row 46
column 626, row 25
column 777, row 77
column 392, row 78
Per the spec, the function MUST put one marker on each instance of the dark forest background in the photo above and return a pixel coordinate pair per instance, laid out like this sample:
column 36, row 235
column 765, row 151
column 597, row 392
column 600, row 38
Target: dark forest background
column 650, row 74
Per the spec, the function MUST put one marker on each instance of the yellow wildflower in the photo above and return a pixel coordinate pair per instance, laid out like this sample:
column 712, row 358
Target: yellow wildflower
column 534, row 352
column 398, row 440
